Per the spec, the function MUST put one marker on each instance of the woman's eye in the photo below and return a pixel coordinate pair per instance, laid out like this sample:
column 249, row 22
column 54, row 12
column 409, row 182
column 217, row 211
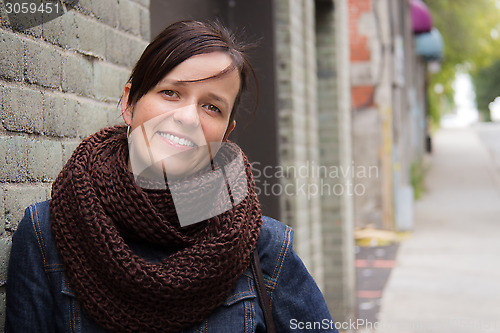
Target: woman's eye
column 212, row 108
column 169, row 93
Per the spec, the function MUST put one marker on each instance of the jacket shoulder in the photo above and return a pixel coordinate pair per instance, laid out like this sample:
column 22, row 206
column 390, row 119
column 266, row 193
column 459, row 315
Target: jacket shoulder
column 292, row 291
column 274, row 233
column 39, row 216
column 35, row 227
column 274, row 245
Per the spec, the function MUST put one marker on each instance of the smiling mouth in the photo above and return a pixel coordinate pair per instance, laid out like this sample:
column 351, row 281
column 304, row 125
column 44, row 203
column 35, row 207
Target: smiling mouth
column 177, row 140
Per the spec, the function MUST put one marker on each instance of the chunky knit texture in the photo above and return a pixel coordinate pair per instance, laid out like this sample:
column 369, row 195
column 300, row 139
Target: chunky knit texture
column 97, row 205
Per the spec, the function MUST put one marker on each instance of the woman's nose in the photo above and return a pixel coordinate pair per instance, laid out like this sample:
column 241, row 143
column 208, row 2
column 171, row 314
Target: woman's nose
column 187, row 115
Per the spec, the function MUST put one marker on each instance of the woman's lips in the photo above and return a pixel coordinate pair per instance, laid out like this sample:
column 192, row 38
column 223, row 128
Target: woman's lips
column 177, row 141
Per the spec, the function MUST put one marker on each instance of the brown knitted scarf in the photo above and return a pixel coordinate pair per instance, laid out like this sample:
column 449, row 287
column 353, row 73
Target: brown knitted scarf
column 97, row 208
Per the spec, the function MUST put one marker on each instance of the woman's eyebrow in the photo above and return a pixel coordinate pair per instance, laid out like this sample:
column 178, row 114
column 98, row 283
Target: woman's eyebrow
column 218, row 98
column 173, row 82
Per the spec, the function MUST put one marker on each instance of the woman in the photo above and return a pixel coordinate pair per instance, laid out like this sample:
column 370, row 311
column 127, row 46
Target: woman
column 152, row 227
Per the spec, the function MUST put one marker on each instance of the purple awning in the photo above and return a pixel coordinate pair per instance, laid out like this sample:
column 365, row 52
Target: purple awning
column 420, row 16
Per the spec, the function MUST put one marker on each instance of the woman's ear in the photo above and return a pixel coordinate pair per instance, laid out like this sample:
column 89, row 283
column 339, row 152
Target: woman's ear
column 126, row 108
column 230, row 128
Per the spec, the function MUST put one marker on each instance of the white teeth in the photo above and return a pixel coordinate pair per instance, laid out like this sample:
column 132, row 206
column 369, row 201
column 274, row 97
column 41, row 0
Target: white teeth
column 177, row 140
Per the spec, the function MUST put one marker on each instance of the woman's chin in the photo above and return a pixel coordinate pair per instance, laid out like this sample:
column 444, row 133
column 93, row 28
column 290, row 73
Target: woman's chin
column 175, row 168
column 172, row 168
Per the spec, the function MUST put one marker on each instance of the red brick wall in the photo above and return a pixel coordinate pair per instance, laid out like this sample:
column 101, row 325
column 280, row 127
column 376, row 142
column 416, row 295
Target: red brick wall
column 362, row 96
column 359, row 50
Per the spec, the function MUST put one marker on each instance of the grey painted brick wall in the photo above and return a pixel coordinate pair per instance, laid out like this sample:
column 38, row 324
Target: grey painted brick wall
column 59, row 82
column 311, row 93
column 345, row 256
column 335, row 132
column 298, row 133
column 315, row 131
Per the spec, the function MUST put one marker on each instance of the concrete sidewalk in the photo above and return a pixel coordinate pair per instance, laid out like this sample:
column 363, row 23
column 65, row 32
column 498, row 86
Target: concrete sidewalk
column 447, row 274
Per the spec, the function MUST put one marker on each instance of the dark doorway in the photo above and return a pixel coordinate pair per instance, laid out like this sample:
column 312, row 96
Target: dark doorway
column 257, row 135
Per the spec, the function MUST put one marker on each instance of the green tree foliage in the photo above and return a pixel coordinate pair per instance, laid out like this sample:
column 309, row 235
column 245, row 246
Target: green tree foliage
column 487, row 85
column 470, row 32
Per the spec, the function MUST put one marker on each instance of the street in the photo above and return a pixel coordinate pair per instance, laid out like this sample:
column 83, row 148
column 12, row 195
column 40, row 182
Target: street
column 446, row 276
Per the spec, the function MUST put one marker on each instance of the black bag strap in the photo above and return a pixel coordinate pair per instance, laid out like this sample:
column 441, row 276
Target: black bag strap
column 262, row 293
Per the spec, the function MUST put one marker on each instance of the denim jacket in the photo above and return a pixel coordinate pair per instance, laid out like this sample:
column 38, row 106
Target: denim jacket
column 40, row 299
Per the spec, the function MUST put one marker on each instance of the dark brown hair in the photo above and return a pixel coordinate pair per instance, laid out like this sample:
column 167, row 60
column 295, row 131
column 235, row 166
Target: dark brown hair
column 180, row 41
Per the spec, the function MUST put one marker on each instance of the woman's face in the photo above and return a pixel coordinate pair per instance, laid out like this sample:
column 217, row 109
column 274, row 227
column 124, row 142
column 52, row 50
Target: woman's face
column 178, row 125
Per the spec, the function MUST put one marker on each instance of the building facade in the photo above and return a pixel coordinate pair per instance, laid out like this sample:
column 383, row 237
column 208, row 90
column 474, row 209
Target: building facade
column 339, row 93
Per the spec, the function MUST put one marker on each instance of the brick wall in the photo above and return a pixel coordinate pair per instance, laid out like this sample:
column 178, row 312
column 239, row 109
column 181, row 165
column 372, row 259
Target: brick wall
column 361, row 29
column 295, row 44
column 315, row 131
column 60, row 81
column 334, row 114
column 370, row 45
column 313, row 140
